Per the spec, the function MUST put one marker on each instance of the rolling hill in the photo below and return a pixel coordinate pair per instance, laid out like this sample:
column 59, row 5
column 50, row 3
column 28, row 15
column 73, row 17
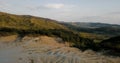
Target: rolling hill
column 23, row 25
column 95, row 28
column 27, row 22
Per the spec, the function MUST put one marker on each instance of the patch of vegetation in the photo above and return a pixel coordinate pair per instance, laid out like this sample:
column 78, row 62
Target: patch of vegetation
column 96, row 37
column 69, row 36
column 111, row 44
column 94, row 28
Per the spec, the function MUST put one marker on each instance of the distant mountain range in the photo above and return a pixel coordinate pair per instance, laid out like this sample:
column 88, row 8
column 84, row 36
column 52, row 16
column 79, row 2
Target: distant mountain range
column 92, row 25
column 97, row 28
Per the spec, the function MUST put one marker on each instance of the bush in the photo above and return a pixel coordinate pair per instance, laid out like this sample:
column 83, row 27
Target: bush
column 66, row 35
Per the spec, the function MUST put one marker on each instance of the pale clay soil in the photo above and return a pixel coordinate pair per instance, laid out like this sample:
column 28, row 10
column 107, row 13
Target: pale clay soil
column 45, row 49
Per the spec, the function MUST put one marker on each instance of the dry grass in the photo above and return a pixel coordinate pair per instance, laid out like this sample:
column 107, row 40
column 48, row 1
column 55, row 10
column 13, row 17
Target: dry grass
column 44, row 49
column 8, row 38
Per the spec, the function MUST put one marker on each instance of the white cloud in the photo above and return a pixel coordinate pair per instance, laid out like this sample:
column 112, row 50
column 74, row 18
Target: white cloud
column 45, row 7
column 55, row 6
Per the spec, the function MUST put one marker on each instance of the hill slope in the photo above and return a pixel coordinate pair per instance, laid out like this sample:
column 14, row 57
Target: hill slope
column 29, row 25
column 96, row 28
column 112, row 43
column 27, row 22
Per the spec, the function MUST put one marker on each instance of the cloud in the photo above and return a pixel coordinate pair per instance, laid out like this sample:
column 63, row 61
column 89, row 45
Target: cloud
column 45, row 7
column 54, row 6
column 113, row 18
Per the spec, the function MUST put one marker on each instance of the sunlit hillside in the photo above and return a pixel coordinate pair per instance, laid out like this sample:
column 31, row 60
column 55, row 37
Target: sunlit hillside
column 27, row 22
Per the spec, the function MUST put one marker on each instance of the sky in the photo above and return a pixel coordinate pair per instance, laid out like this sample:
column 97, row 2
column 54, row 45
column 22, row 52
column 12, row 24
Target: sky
column 104, row 11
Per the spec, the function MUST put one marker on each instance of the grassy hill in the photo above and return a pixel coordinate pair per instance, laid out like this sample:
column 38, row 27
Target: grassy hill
column 23, row 25
column 31, row 25
column 27, row 22
column 95, row 31
column 95, row 28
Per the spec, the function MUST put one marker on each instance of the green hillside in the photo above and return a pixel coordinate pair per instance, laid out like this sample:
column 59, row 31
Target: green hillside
column 32, row 26
column 27, row 22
